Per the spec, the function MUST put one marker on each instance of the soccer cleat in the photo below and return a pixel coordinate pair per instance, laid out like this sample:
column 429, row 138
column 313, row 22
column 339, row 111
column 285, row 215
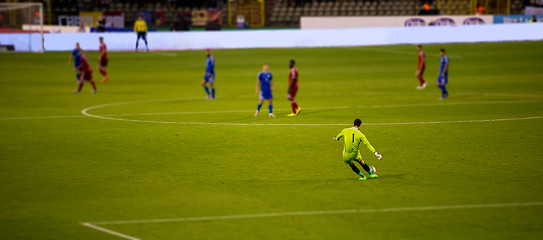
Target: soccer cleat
column 441, row 98
column 104, row 80
column 423, row 85
column 95, row 91
column 208, row 97
column 298, row 110
column 271, row 115
column 363, row 178
column 77, row 91
column 256, row 114
column 292, row 115
column 373, row 175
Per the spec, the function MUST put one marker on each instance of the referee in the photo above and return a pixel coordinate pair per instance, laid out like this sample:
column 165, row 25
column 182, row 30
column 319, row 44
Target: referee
column 140, row 27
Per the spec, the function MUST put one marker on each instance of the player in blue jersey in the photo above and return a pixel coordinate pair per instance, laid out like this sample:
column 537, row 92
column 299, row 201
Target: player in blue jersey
column 209, row 76
column 76, row 58
column 265, row 83
column 443, row 77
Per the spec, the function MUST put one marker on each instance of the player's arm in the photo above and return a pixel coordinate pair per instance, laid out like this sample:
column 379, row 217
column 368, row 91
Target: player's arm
column 292, row 84
column 135, row 25
column 257, row 86
column 445, row 69
column 370, row 147
column 104, row 51
column 339, row 136
column 208, row 70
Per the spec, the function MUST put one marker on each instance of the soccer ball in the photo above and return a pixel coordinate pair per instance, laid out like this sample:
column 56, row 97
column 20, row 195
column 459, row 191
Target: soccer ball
column 373, row 169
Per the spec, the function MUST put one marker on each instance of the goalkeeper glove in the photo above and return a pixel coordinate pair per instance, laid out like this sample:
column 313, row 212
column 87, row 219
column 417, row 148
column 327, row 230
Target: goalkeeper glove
column 379, row 156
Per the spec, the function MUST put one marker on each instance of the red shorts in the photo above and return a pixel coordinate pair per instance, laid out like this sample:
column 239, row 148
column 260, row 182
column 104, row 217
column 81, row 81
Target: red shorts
column 86, row 75
column 103, row 62
column 293, row 92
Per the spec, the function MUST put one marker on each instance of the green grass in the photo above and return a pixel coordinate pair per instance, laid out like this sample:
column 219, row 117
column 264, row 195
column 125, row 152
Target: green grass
column 58, row 172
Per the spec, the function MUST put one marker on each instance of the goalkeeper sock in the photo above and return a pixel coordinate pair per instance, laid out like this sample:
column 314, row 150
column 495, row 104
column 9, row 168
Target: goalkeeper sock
column 366, row 167
column 356, row 170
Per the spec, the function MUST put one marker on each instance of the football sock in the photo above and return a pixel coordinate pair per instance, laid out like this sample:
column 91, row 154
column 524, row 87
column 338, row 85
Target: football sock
column 93, row 84
column 294, row 107
column 103, row 72
column 355, row 169
column 258, row 107
column 137, row 43
column 444, row 92
column 213, row 92
column 366, row 167
column 78, row 77
column 421, row 80
column 270, row 107
column 207, row 89
column 80, row 85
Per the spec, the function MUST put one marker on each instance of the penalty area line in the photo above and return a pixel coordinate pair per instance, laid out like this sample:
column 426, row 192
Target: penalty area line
column 101, row 229
column 326, row 212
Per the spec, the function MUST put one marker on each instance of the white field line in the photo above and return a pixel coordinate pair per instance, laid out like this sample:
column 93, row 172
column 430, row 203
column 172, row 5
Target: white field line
column 108, row 231
column 306, row 213
column 242, row 111
column 111, row 117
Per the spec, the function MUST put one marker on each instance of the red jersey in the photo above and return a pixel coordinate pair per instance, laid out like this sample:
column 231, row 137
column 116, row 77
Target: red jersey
column 103, row 49
column 85, row 67
column 422, row 63
column 293, row 75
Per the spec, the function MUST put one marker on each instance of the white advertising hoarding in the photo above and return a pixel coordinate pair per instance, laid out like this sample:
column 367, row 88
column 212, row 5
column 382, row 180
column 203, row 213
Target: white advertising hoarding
column 400, row 21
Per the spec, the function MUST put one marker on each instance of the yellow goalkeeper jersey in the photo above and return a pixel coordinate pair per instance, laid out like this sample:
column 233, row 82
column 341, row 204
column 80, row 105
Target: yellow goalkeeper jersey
column 353, row 137
column 140, row 26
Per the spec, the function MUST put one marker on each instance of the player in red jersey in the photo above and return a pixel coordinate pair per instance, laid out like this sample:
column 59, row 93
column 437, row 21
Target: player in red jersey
column 293, row 88
column 420, row 68
column 86, row 74
column 102, row 60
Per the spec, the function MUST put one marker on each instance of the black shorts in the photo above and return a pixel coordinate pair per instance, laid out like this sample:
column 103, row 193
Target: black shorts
column 142, row 35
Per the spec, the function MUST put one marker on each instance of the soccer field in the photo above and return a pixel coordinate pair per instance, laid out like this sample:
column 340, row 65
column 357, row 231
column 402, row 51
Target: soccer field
column 147, row 157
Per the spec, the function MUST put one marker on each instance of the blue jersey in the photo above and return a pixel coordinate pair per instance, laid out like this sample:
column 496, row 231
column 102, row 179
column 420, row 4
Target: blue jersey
column 265, row 79
column 444, row 62
column 210, row 65
column 77, row 57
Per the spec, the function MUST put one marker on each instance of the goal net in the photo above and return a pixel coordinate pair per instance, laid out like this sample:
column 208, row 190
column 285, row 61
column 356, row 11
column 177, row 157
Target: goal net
column 25, row 19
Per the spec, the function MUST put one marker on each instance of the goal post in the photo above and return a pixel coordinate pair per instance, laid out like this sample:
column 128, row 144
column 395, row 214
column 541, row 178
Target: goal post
column 24, row 17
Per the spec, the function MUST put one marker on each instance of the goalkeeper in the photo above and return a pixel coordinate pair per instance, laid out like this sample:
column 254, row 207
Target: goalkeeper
column 353, row 137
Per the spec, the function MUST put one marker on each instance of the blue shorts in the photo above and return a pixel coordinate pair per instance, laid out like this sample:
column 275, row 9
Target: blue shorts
column 265, row 95
column 209, row 79
column 442, row 80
